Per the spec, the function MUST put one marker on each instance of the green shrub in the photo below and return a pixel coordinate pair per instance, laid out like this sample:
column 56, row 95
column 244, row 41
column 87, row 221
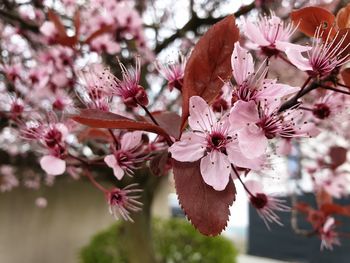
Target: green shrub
column 175, row 241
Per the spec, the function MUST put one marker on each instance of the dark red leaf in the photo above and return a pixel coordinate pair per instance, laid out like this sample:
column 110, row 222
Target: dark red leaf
column 58, row 24
column 206, row 208
column 335, row 209
column 322, row 197
column 101, row 31
column 309, row 18
column 76, row 21
column 338, row 156
column 303, row 207
column 169, row 121
column 94, row 134
column 209, row 63
column 345, row 74
column 343, row 17
column 102, row 119
column 158, row 163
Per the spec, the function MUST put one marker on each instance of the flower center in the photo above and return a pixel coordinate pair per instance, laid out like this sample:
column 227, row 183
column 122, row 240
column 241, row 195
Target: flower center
column 217, row 140
column 53, row 137
column 259, row 201
column 321, row 111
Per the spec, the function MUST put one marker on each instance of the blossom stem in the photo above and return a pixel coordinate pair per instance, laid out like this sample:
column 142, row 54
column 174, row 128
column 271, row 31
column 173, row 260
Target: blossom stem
column 93, row 181
column 343, row 85
column 335, row 89
column 305, row 108
column 148, row 113
column 114, row 138
column 304, row 85
column 240, row 179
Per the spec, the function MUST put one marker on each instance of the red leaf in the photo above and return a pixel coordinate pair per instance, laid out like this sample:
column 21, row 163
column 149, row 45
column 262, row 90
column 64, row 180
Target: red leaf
column 309, row 18
column 345, row 74
column 209, row 63
column 102, row 119
column 62, row 38
column 169, row 121
column 206, row 208
column 94, row 134
column 101, row 31
column 330, row 209
column 303, row 207
column 338, row 156
column 343, row 17
column 76, row 21
column 322, row 197
column 58, row 24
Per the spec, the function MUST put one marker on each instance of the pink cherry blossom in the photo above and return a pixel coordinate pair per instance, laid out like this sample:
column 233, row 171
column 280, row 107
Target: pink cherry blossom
column 266, row 205
column 124, row 201
column 328, row 236
column 212, row 142
column 8, row 179
column 128, row 88
column 105, row 43
column 253, row 85
column 93, row 88
column 271, row 35
column 254, row 125
column 127, row 158
column 323, row 57
column 173, row 72
column 41, row 202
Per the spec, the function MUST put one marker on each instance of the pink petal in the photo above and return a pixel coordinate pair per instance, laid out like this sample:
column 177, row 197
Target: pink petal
column 215, row 170
column 254, row 186
column 252, row 141
column 254, row 34
column 201, row 116
column 242, row 113
column 130, row 140
column 236, row 157
column 328, row 225
column 242, row 64
column 297, row 59
column 111, row 162
column 283, row 46
column 190, row 148
column 271, row 90
column 52, row 165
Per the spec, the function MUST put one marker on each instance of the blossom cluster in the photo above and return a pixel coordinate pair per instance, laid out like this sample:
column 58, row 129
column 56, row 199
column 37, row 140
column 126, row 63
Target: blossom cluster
column 78, row 115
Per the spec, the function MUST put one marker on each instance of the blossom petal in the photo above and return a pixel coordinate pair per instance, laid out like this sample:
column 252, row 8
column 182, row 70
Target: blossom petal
column 130, row 140
column 191, row 148
column 242, row 64
column 111, row 162
column 252, row 141
column 284, row 45
column 254, row 34
column 271, row 90
column 201, row 116
column 52, row 165
column 215, row 170
column 236, row 157
column 297, row 59
column 242, row 113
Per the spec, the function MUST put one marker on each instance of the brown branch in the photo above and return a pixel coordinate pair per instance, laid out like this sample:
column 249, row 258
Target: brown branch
column 14, row 19
column 195, row 22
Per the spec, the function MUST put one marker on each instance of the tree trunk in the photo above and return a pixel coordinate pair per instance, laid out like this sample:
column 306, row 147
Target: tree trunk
column 137, row 236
